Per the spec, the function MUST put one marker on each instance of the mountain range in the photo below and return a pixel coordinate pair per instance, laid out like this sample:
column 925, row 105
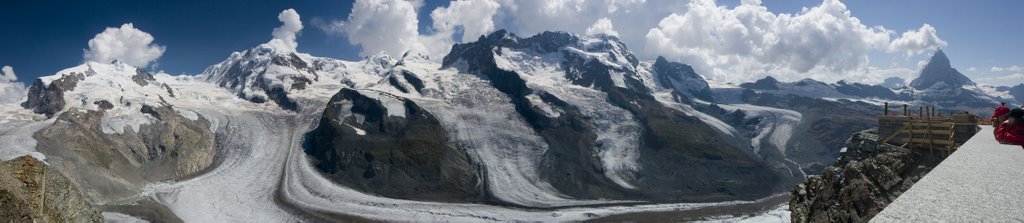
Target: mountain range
column 551, row 127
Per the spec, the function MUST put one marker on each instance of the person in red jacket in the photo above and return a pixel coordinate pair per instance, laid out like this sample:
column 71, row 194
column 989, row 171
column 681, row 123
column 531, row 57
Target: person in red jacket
column 1000, row 111
column 999, row 116
column 1012, row 130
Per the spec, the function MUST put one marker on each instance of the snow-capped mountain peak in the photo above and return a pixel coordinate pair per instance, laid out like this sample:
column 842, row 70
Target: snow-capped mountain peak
column 264, row 74
column 576, row 58
column 938, row 70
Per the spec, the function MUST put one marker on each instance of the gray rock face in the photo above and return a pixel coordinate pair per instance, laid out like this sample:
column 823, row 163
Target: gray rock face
column 864, row 179
column 116, row 165
column 682, row 78
column 104, row 104
column 31, row 191
column 49, row 100
column 937, row 71
column 360, row 145
column 142, row 77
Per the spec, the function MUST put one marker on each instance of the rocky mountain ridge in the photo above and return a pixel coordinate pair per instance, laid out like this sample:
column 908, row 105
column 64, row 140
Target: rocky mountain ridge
column 938, row 85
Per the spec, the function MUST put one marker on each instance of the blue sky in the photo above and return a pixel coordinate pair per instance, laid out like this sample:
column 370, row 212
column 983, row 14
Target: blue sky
column 42, row 37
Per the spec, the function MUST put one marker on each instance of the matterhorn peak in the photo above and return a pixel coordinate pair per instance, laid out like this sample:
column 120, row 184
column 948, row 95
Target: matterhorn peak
column 939, row 70
column 939, row 59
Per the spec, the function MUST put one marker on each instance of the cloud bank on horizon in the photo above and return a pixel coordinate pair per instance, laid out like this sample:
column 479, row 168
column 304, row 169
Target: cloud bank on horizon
column 737, row 44
column 727, row 44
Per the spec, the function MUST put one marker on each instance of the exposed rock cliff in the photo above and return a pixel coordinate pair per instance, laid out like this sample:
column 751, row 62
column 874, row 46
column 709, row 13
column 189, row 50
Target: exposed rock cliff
column 117, row 163
column 48, row 98
column 31, row 191
column 865, row 179
column 372, row 142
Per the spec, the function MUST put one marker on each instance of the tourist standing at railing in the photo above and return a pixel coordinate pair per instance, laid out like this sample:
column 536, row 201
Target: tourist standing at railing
column 1012, row 130
column 999, row 115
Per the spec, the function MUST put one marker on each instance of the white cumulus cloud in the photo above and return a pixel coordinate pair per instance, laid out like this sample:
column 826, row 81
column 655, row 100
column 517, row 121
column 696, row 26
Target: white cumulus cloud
column 126, row 44
column 475, row 17
column 284, row 35
column 730, row 44
column 632, row 17
column 383, row 25
column 915, row 42
column 824, row 42
column 11, row 91
column 602, row 26
column 8, row 74
column 392, row 26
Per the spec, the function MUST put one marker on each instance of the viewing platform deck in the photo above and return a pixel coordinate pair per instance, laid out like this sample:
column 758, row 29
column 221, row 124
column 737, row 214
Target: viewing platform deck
column 983, row 181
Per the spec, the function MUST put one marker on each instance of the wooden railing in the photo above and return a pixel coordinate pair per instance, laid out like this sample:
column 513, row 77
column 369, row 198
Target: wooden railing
column 926, row 134
column 928, row 130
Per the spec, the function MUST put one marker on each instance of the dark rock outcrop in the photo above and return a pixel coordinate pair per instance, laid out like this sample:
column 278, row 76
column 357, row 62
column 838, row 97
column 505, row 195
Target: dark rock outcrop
column 31, row 191
column 49, row 99
column 104, row 104
column 142, row 77
column 360, row 145
column 862, row 181
column 413, row 80
column 682, row 78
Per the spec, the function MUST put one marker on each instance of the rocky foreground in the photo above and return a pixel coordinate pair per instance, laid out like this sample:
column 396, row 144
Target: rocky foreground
column 31, row 191
column 863, row 181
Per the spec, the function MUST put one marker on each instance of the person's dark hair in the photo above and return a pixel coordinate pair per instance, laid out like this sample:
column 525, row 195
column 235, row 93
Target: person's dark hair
column 1017, row 113
column 1002, row 103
